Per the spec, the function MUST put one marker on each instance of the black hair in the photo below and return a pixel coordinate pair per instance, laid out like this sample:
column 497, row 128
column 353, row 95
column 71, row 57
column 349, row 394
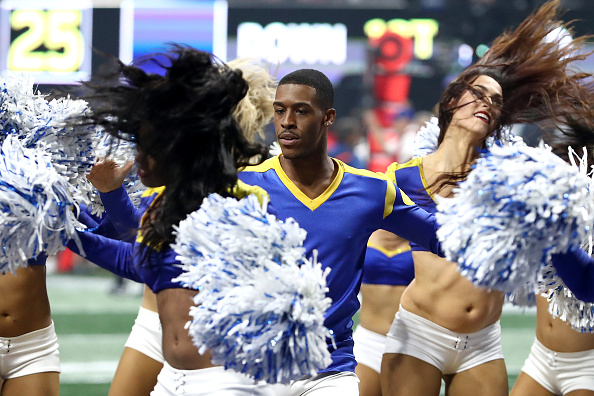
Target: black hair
column 315, row 79
column 190, row 129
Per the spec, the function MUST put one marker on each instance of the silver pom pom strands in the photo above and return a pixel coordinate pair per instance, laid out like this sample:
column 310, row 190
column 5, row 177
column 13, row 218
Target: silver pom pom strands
column 260, row 306
column 517, row 207
column 36, row 208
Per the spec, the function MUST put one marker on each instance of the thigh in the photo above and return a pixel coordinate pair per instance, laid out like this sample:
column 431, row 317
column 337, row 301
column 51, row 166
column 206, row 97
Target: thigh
column 487, row 379
column 136, row 374
column 369, row 384
column 407, row 375
column 39, row 384
column 581, row 392
column 525, row 385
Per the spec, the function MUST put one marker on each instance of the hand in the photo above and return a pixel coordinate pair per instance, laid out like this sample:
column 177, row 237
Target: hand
column 107, row 176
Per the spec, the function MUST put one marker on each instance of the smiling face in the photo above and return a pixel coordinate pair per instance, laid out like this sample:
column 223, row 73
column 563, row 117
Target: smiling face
column 300, row 121
column 478, row 109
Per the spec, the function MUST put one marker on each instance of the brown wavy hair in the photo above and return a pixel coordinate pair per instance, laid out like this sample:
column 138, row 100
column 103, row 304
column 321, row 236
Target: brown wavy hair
column 536, row 70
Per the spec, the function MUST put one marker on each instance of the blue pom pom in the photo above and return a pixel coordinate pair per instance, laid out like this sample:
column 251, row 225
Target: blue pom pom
column 36, row 209
column 517, row 207
column 261, row 303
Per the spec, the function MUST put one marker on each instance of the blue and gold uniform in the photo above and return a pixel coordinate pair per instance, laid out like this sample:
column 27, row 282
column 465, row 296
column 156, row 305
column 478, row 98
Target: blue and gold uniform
column 412, row 180
column 388, row 267
column 338, row 224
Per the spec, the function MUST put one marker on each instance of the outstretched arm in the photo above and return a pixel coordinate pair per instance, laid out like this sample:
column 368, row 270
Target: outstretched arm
column 114, row 256
column 413, row 223
column 576, row 268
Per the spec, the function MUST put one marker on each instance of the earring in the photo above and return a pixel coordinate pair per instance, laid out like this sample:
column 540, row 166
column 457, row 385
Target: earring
column 328, row 123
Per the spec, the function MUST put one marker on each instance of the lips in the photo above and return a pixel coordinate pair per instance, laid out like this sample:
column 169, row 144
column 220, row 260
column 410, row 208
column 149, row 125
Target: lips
column 141, row 172
column 484, row 116
column 287, row 138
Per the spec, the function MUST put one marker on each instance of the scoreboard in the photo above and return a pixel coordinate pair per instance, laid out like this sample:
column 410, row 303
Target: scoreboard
column 53, row 45
column 54, row 41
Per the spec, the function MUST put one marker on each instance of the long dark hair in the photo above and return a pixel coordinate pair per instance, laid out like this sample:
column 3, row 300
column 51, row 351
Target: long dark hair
column 534, row 68
column 191, row 131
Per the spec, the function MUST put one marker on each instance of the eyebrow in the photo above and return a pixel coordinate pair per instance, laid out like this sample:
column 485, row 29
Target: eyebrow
column 297, row 104
column 485, row 90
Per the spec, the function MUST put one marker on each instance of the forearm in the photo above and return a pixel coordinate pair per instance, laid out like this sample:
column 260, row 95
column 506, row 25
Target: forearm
column 114, row 256
column 124, row 216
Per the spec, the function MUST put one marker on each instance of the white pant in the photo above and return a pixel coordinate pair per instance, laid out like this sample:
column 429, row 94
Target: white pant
column 449, row 351
column 332, row 383
column 147, row 336
column 208, row 382
column 369, row 348
column 31, row 353
column 559, row 372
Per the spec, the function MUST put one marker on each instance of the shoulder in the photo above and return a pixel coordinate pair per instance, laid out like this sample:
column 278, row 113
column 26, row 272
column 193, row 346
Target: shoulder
column 149, row 192
column 415, row 162
column 242, row 190
column 263, row 167
column 362, row 173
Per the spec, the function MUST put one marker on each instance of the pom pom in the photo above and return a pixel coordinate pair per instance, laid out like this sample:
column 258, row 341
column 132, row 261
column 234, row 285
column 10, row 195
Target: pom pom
column 425, row 141
column 42, row 125
column 563, row 304
column 517, row 207
column 35, row 206
column 120, row 151
column 261, row 303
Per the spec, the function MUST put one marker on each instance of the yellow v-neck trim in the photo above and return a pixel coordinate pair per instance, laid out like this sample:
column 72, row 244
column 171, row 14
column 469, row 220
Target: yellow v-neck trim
column 315, row 203
column 424, row 180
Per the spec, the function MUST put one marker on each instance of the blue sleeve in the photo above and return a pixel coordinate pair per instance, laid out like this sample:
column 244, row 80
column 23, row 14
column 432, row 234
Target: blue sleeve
column 122, row 213
column 114, row 256
column 100, row 225
column 576, row 268
column 413, row 224
column 39, row 260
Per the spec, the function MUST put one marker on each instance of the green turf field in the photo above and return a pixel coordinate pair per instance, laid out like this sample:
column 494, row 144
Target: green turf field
column 93, row 325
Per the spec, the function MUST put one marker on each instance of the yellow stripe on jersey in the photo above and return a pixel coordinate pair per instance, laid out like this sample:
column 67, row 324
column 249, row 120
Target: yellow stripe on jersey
column 415, row 162
column 386, row 252
column 242, row 190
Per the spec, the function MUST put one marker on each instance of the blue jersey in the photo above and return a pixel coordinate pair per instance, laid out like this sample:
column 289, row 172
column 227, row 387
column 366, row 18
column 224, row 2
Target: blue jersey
column 411, row 179
column 388, row 267
column 338, row 224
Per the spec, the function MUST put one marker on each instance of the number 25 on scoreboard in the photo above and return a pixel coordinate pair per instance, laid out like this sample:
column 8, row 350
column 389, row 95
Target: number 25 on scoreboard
column 52, row 44
column 52, row 41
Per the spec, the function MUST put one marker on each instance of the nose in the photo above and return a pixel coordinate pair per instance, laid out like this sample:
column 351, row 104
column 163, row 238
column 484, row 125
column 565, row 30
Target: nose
column 288, row 120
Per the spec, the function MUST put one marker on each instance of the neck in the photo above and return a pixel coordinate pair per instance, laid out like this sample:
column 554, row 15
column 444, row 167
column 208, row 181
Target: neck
column 309, row 170
column 457, row 152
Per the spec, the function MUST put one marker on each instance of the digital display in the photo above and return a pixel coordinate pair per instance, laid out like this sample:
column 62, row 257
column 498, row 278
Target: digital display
column 146, row 27
column 50, row 41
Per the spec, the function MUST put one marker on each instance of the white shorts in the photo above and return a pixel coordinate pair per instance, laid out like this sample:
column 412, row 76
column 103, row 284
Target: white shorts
column 207, row 382
column 558, row 372
column 449, row 351
column 332, row 383
column 147, row 335
column 369, row 348
column 31, row 353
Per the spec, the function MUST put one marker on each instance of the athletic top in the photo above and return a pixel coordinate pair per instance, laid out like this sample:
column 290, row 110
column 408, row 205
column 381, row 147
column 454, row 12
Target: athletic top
column 411, row 179
column 576, row 268
column 128, row 259
column 388, row 267
column 338, row 224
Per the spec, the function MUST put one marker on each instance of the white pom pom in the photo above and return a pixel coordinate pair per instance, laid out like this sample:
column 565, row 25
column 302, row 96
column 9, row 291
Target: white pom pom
column 41, row 125
column 517, row 207
column 274, row 149
column 120, row 151
column 578, row 314
column 35, row 206
column 261, row 303
column 426, row 138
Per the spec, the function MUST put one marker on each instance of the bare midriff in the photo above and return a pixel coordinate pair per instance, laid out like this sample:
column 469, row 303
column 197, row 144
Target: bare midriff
column 24, row 306
column 442, row 295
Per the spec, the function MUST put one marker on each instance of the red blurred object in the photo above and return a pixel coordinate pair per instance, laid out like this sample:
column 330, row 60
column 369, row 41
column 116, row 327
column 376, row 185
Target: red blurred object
column 66, row 260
